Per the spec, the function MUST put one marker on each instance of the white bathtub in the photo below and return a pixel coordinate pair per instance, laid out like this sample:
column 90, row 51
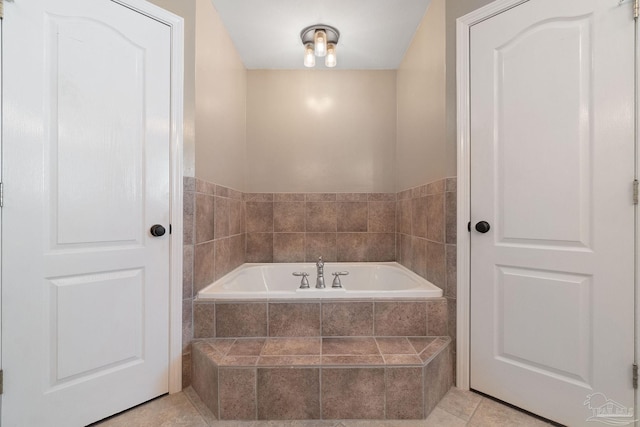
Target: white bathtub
column 365, row 280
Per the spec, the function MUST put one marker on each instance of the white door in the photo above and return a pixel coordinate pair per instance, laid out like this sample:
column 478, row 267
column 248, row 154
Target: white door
column 85, row 286
column 552, row 166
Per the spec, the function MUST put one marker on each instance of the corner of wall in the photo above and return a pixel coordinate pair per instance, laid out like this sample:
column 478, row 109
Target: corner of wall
column 421, row 80
column 220, row 102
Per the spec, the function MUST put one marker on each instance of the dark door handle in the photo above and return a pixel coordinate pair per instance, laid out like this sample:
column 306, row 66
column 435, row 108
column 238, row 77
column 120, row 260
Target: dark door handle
column 482, row 227
column 157, row 230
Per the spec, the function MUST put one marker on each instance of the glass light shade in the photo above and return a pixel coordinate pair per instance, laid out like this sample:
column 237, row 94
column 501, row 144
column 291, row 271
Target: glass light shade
column 320, row 42
column 309, row 56
column 331, row 60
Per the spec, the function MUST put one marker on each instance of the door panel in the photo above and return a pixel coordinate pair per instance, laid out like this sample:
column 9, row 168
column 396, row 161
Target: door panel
column 545, row 64
column 93, row 145
column 552, row 155
column 86, row 171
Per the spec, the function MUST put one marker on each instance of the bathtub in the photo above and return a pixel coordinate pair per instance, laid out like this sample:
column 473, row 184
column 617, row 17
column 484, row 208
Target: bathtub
column 275, row 281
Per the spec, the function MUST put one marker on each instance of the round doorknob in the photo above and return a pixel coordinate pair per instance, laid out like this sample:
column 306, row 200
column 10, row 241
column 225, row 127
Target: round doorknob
column 157, row 230
column 482, row 227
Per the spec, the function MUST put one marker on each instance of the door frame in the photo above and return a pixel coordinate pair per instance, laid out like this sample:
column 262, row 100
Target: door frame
column 463, row 74
column 176, row 25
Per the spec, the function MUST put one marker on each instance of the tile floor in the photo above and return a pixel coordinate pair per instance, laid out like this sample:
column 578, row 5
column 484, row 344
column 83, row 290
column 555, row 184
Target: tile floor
column 458, row 408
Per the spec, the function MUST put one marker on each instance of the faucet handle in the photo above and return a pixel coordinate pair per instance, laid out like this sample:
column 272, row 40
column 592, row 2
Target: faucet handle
column 304, row 283
column 336, row 278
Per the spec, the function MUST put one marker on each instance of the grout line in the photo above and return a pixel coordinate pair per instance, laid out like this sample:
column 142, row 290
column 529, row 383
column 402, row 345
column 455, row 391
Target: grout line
column 476, row 408
column 255, row 390
column 320, row 386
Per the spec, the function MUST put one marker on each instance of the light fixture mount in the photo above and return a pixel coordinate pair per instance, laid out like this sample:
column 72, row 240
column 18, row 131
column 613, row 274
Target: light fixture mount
column 333, row 35
column 320, row 41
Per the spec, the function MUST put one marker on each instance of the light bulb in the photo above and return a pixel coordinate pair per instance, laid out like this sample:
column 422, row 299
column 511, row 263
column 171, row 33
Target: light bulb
column 331, row 60
column 309, row 56
column 320, row 42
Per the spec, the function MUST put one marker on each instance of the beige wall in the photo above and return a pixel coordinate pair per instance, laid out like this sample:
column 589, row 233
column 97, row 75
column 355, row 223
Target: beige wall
column 221, row 82
column 455, row 9
column 187, row 10
column 421, row 155
column 321, row 131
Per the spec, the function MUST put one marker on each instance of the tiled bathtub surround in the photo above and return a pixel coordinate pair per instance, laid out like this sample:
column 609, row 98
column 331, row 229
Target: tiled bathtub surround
column 322, row 378
column 426, row 237
column 214, row 244
column 224, row 228
column 328, row 318
column 299, row 227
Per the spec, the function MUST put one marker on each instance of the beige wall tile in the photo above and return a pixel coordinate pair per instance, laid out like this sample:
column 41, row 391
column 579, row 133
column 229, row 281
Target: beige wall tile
column 237, row 391
column 241, row 320
column 354, row 393
column 352, row 247
column 400, row 319
column 320, row 244
column 435, row 217
column 288, row 393
column 204, row 320
column 259, row 247
column 259, row 217
column 204, row 217
column 294, row 319
column 436, row 269
column 321, row 217
column 288, row 217
column 203, row 265
column 347, row 318
column 382, row 217
column 187, row 271
column 188, row 217
column 288, row 247
column 381, row 247
column 222, row 258
column 204, row 373
column 352, row 216
column 404, row 393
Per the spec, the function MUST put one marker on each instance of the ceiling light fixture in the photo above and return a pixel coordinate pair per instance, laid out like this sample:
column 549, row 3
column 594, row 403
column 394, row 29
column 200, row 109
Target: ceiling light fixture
column 320, row 40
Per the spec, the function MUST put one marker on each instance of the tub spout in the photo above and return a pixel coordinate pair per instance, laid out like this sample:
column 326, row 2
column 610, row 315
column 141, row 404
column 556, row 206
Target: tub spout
column 320, row 279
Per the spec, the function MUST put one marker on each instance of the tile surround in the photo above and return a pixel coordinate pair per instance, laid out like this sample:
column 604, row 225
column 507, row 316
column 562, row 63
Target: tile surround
column 299, row 227
column 288, row 393
column 259, row 385
column 224, row 228
column 321, row 318
column 426, row 241
column 353, row 393
column 214, row 244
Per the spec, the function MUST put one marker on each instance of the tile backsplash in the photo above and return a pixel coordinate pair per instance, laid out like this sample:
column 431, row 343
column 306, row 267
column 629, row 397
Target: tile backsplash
column 300, row 227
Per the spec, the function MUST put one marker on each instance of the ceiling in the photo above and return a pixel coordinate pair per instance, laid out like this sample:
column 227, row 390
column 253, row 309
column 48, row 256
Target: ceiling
column 374, row 34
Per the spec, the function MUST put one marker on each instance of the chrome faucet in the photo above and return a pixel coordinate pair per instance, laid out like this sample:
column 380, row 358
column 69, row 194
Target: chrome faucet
column 336, row 278
column 304, row 282
column 320, row 279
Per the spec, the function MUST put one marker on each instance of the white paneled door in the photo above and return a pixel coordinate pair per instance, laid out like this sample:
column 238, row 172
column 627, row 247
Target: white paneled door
column 552, row 216
column 85, row 284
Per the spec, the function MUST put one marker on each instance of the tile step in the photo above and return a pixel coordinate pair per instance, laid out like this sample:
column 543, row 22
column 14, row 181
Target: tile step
column 322, row 378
